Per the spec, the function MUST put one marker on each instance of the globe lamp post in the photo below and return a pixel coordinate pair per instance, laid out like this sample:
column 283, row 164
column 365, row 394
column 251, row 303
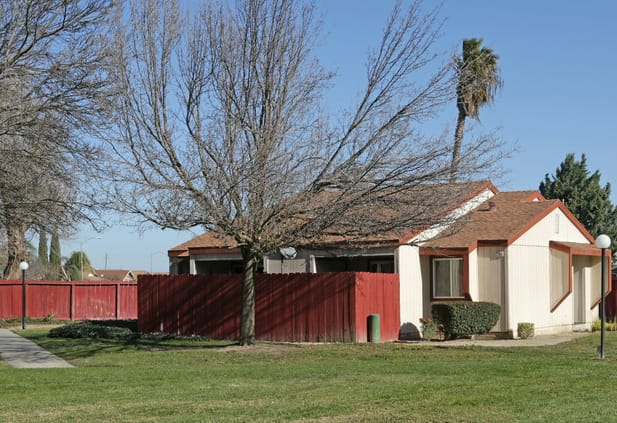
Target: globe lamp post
column 603, row 242
column 23, row 266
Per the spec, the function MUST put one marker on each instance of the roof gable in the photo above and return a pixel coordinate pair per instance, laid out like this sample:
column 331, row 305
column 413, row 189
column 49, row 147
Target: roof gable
column 504, row 218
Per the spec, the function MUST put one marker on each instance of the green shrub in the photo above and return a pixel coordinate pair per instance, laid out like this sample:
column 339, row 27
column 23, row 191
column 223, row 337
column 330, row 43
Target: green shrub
column 129, row 324
column 610, row 326
column 114, row 329
column 465, row 318
column 89, row 329
column 525, row 330
column 429, row 328
column 596, row 325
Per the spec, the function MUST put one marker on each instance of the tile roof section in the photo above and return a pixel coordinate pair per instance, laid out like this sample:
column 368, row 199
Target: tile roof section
column 208, row 239
column 465, row 191
column 503, row 218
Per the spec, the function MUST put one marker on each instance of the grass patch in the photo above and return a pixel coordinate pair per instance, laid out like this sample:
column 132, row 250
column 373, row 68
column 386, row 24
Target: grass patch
column 184, row 380
column 43, row 321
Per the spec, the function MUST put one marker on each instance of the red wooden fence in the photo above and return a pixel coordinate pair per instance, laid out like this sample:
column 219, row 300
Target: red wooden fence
column 70, row 300
column 303, row 307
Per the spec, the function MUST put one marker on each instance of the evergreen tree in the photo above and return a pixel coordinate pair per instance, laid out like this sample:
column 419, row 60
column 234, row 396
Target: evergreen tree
column 583, row 195
column 55, row 257
column 43, row 250
column 77, row 266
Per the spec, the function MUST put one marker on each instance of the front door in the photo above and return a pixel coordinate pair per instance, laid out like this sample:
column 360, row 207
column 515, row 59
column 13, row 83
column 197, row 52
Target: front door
column 491, row 280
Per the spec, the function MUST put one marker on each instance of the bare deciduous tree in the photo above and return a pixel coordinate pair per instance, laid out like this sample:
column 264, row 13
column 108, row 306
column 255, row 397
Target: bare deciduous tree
column 53, row 79
column 52, row 60
column 220, row 123
column 37, row 189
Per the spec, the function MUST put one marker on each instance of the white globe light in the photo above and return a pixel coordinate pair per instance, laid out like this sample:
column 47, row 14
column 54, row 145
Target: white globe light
column 603, row 241
column 23, row 265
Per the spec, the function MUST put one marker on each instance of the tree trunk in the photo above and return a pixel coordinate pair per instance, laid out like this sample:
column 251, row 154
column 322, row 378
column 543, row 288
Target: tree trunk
column 247, row 314
column 458, row 141
column 43, row 250
column 16, row 247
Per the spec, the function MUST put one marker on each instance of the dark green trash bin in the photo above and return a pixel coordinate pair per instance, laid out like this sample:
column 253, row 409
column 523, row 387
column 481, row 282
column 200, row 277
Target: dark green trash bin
column 374, row 328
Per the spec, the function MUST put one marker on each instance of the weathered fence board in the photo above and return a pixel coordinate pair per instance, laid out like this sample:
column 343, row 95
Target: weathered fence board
column 302, row 307
column 70, row 300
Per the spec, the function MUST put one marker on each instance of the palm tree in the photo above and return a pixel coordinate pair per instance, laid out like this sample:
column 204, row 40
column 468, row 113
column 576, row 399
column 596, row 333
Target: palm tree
column 478, row 81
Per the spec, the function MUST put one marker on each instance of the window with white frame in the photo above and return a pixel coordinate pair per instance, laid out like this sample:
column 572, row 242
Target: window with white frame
column 447, row 277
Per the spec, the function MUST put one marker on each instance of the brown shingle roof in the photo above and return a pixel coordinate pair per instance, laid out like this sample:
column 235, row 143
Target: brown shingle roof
column 209, row 239
column 460, row 193
column 505, row 217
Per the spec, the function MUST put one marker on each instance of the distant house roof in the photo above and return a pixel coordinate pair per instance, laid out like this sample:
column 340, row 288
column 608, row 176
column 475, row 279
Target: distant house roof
column 460, row 193
column 503, row 218
column 209, row 240
column 119, row 274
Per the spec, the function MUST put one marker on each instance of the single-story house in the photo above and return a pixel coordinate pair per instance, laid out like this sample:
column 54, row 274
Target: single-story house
column 517, row 249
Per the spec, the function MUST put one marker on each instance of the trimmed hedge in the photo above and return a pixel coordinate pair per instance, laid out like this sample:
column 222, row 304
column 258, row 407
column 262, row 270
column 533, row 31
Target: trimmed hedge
column 465, row 318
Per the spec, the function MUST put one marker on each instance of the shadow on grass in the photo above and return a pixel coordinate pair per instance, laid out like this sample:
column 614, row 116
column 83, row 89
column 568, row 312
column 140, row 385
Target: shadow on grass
column 84, row 347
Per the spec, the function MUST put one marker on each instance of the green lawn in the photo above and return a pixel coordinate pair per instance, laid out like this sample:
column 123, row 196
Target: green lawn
column 203, row 381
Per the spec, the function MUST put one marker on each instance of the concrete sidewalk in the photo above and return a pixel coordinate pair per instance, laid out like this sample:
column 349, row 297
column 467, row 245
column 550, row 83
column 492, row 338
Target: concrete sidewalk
column 534, row 341
column 22, row 353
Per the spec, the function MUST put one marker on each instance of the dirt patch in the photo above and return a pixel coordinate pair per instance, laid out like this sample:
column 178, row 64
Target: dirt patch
column 260, row 348
column 14, row 326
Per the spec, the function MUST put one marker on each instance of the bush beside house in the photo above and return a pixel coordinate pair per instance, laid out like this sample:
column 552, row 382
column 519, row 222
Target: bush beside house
column 526, row 330
column 465, row 318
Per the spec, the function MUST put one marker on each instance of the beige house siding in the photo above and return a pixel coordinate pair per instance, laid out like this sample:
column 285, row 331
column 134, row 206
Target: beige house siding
column 491, row 281
column 425, row 266
column 473, row 275
column 408, row 265
column 528, row 275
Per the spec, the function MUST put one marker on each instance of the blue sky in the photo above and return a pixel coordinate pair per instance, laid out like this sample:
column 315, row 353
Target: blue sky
column 558, row 62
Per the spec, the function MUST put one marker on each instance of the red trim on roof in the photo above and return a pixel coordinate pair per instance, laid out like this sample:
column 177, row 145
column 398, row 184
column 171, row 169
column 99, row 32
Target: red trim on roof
column 557, row 204
column 576, row 248
column 536, row 196
column 532, row 222
column 177, row 253
column 576, row 222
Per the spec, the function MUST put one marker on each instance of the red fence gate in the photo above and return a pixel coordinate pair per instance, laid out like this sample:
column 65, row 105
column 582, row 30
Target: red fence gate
column 70, row 300
column 302, row 307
